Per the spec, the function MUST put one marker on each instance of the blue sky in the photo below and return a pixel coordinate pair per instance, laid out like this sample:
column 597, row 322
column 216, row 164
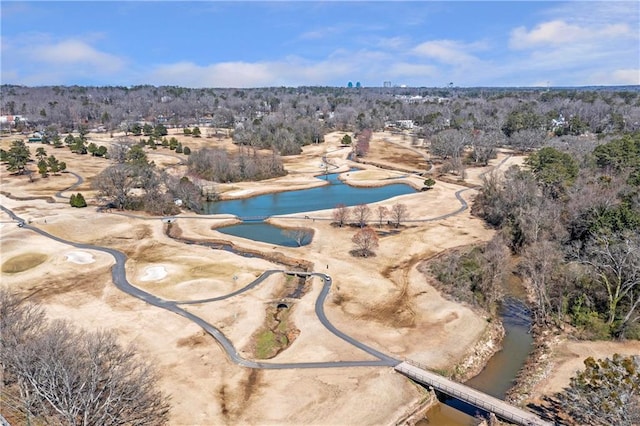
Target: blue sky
column 308, row 43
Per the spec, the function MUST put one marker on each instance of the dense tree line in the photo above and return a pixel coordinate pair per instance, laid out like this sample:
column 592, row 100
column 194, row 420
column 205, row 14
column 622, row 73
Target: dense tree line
column 284, row 134
column 475, row 275
column 285, row 119
column 53, row 373
column 18, row 157
column 218, row 165
column 574, row 221
column 133, row 182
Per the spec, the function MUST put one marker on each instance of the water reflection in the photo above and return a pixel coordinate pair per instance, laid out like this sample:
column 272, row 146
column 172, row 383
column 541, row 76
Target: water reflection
column 305, row 200
column 261, row 231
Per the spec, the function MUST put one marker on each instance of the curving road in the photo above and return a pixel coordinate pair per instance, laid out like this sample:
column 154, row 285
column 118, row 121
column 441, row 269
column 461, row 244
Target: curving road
column 119, row 278
column 79, row 181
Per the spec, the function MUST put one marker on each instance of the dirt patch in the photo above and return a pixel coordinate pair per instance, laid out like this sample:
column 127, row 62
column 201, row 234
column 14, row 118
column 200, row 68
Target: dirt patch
column 234, row 399
column 150, row 252
column 13, row 197
column 395, row 151
column 398, row 309
column 558, row 357
column 23, row 262
column 86, row 285
column 198, row 339
column 251, row 385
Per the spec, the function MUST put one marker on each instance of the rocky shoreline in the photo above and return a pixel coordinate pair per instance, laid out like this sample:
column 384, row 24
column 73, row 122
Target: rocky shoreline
column 471, row 365
column 478, row 356
column 537, row 367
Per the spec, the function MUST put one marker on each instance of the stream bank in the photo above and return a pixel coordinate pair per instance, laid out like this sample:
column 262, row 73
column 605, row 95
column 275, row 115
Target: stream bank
column 500, row 361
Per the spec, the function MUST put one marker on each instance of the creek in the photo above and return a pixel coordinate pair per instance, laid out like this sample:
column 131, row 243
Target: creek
column 306, row 200
column 500, row 372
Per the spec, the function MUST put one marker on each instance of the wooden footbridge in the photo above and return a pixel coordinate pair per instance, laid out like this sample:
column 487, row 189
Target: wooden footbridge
column 471, row 396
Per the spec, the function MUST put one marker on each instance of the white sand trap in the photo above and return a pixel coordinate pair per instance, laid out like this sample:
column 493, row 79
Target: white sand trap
column 80, row 257
column 154, row 273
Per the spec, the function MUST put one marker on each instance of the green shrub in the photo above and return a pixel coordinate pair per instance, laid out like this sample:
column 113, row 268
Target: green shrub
column 77, row 200
column 591, row 326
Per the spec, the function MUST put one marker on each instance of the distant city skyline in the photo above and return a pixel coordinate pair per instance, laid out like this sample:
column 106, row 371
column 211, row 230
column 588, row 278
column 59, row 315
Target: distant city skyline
column 265, row 44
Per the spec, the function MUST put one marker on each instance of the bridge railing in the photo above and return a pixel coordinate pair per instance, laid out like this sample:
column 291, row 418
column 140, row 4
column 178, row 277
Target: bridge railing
column 253, row 218
column 480, row 402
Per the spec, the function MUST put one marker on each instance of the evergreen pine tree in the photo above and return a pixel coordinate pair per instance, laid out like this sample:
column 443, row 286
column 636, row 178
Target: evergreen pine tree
column 77, row 200
column 80, row 201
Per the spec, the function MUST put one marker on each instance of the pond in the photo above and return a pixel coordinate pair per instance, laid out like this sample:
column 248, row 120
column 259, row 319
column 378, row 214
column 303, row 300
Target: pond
column 256, row 209
column 500, row 372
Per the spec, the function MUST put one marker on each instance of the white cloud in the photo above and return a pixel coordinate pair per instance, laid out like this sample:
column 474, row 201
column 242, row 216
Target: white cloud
column 393, row 43
column 578, row 43
column 291, row 71
column 76, row 52
column 320, row 33
column 627, row 76
column 618, row 77
column 37, row 59
column 559, row 32
column 448, row 51
column 596, row 14
column 225, row 74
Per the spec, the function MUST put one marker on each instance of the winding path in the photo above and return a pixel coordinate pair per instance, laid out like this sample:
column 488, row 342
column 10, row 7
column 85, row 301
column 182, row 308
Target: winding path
column 79, row 181
column 119, row 278
column 380, row 359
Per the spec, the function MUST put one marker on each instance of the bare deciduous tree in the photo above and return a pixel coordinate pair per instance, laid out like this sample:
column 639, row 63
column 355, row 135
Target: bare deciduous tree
column 382, row 212
column 114, row 185
column 399, row 213
column 74, row 377
column 341, row 214
column 185, row 190
column 484, row 145
column 527, row 139
column 615, row 262
column 216, row 164
column 540, row 261
column 449, row 143
column 363, row 142
column 361, row 212
column 301, row 236
column 366, row 240
column 20, row 322
column 494, row 270
column 118, row 151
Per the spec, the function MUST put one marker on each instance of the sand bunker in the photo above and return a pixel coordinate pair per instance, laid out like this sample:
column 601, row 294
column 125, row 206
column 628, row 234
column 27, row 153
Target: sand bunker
column 80, row 257
column 154, row 273
column 240, row 193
